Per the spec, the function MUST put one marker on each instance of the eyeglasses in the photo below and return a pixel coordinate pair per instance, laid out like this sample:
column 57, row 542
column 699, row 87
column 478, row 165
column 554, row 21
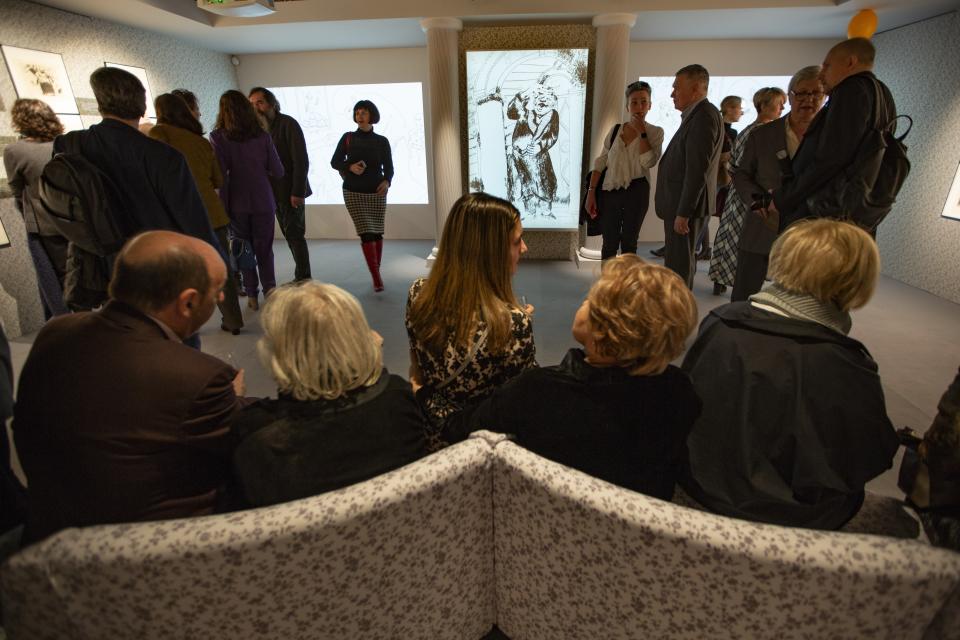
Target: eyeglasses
column 807, row 95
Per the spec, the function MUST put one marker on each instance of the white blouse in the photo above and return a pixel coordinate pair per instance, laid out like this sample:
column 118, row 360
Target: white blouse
column 625, row 163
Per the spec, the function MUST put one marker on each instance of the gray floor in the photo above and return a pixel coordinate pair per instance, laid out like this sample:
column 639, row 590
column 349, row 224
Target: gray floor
column 913, row 335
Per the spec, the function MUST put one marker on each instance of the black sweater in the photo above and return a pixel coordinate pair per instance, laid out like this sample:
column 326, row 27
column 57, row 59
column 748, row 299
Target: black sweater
column 370, row 147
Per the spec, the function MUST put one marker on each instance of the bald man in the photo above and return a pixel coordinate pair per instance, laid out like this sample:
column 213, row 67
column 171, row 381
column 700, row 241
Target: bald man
column 116, row 419
column 831, row 142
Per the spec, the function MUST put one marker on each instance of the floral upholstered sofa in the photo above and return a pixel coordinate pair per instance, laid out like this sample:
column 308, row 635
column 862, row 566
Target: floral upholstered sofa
column 480, row 533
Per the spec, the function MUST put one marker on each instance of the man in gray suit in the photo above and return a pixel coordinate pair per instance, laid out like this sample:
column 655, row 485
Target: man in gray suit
column 687, row 176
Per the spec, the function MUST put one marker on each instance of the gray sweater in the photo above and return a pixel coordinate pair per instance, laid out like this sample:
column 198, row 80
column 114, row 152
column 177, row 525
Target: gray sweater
column 24, row 161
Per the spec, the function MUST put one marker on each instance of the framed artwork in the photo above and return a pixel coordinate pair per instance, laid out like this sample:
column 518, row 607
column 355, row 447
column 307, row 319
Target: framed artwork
column 4, row 238
column 40, row 75
column 141, row 74
column 525, row 111
column 952, row 207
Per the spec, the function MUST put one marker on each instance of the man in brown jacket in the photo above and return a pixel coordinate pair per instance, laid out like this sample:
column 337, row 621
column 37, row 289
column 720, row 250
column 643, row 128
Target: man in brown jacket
column 116, row 419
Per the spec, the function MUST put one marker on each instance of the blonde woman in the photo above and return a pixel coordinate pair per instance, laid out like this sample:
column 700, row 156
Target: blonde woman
column 340, row 417
column 616, row 409
column 468, row 334
column 794, row 422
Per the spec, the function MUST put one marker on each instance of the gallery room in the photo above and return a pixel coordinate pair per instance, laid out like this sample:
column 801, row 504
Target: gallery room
column 365, row 128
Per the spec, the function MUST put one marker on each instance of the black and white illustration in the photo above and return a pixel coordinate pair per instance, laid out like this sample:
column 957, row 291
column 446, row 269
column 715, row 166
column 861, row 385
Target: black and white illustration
column 141, row 74
column 525, row 112
column 40, row 75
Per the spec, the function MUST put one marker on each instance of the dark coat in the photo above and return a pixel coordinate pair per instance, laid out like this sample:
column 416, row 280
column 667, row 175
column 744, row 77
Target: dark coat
column 292, row 449
column 831, row 143
column 758, row 171
column 116, row 422
column 794, row 422
column 628, row 430
column 370, row 147
column 292, row 149
column 687, row 174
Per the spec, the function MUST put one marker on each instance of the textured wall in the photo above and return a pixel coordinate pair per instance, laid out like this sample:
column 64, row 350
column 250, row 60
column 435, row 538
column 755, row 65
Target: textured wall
column 86, row 43
column 919, row 63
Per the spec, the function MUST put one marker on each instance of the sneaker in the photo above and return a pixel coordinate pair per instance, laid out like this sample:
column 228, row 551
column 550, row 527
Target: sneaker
column 659, row 253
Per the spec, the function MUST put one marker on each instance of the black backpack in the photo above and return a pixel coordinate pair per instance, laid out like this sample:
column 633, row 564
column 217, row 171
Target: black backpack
column 865, row 191
column 73, row 193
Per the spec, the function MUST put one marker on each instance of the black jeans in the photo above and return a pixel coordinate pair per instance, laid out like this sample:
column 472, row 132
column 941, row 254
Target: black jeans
column 293, row 226
column 621, row 214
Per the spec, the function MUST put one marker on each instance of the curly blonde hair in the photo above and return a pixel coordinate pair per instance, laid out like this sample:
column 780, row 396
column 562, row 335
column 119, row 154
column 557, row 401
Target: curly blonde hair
column 35, row 119
column 641, row 314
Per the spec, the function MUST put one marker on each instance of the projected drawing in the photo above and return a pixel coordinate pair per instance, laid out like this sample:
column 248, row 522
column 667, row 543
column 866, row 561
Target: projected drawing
column 525, row 130
column 325, row 113
column 40, row 75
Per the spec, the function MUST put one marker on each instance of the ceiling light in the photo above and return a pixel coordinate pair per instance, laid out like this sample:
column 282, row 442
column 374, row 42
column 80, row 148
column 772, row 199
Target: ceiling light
column 238, row 8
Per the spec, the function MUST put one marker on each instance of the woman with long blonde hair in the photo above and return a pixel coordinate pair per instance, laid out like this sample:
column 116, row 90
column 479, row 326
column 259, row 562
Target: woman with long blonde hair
column 468, row 334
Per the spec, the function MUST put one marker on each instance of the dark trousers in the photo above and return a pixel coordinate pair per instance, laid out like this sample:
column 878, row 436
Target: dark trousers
column 751, row 273
column 621, row 214
column 49, row 255
column 257, row 228
column 230, row 305
column 680, row 256
column 293, row 226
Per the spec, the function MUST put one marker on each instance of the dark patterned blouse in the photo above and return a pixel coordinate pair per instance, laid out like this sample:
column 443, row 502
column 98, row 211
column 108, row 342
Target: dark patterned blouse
column 443, row 392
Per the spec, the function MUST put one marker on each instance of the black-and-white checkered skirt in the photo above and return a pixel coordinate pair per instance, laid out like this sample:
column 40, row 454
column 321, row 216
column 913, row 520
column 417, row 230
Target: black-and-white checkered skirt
column 367, row 210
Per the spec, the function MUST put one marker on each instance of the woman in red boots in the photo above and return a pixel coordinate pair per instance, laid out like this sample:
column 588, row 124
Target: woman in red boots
column 364, row 161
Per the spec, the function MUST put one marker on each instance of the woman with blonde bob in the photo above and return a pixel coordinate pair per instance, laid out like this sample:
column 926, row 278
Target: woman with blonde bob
column 794, row 422
column 615, row 409
column 468, row 335
column 340, row 417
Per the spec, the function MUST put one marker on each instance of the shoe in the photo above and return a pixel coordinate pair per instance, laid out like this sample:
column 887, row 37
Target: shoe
column 704, row 254
column 252, row 303
column 659, row 253
column 224, row 327
column 370, row 255
column 719, row 289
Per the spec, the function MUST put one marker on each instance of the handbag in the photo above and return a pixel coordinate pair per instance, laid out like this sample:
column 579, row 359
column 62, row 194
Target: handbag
column 242, row 256
column 593, row 224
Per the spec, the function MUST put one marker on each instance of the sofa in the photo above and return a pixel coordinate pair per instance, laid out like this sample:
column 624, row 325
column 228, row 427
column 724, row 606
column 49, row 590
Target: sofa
column 478, row 534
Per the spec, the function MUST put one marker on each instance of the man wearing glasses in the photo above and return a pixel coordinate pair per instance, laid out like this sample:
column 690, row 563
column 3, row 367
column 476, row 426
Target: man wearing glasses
column 766, row 157
column 835, row 135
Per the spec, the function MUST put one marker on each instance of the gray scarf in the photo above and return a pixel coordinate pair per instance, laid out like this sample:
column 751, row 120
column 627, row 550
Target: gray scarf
column 802, row 306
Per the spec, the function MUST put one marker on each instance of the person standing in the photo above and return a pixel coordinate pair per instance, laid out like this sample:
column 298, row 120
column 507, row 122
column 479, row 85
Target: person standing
column 248, row 159
column 292, row 188
column 630, row 150
column 766, row 155
column 364, row 161
column 834, row 137
column 24, row 161
column 687, row 178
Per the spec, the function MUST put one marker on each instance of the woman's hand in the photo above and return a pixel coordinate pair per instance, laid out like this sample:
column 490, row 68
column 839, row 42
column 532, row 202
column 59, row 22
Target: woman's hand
column 382, row 188
column 357, row 168
column 591, row 203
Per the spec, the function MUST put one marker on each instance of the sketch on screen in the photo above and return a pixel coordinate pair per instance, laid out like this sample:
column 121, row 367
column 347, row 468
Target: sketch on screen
column 525, row 112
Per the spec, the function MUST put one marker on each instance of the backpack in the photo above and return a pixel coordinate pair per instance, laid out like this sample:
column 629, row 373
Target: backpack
column 73, row 193
column 865, row 191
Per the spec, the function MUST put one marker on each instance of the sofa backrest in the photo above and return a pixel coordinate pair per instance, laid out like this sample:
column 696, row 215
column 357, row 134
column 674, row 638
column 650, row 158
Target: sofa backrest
column 577, row 557
column 407, row 554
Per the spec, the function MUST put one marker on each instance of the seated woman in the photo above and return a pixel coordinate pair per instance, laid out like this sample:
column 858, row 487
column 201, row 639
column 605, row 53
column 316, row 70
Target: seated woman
column 794, row 422
column 616, row 409
column 340, row 418
column 468, row 335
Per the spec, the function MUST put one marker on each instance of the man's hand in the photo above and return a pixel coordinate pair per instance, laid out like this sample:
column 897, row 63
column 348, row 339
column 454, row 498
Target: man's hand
column 591, row 203
column 382, row 188
column 296, row 201
column 681, row 226
column 772, row 209
column 357, row 168
column 239, row 385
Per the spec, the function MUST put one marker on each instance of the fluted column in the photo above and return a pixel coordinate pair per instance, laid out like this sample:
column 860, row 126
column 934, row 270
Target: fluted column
column 443, row 54
column 609, row 82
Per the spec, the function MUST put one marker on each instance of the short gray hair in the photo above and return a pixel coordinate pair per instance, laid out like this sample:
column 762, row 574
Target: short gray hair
column 807, row 73
column 695, row 72
column 317, row 343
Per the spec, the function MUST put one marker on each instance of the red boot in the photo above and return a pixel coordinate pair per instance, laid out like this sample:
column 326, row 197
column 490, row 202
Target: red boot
column 370, row 255
column 379, row 252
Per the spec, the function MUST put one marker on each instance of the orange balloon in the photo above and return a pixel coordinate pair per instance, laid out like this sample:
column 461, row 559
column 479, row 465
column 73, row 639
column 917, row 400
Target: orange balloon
column 862, row 25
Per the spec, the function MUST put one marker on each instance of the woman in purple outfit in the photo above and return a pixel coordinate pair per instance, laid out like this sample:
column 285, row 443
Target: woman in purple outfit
column 247, row 157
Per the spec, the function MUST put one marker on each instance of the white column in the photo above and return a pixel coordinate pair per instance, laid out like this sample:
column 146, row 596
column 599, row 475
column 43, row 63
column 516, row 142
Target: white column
column 443, row 54
column 609, row 82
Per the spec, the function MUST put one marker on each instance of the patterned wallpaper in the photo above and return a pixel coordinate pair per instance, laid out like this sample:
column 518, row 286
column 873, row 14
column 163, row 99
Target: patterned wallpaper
column 919, row 64
column 542, row 244
column 86, row 43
